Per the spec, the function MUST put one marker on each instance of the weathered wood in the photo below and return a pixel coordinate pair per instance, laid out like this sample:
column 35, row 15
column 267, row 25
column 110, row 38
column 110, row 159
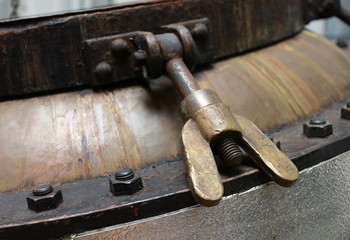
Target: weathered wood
column 46, row 53
column 80, row 135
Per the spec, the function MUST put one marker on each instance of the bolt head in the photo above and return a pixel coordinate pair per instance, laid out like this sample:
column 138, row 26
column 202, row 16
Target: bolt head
column 318, row 129
column 124, row 174
column 317, row 121
column 42, row 189
column 345, row 113
column 119, row 47
column 46, row 202
column 125, row 187
column 103, row 71
column 342, row 43
column 200, row 31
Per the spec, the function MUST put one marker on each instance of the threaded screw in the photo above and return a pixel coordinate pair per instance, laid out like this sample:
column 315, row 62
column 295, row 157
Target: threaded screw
column 42, row 189
column 229, row 152
column 124, row 174
column 317, row 121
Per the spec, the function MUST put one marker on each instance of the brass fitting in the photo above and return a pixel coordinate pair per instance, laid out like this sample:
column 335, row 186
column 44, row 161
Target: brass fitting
column 210, row 128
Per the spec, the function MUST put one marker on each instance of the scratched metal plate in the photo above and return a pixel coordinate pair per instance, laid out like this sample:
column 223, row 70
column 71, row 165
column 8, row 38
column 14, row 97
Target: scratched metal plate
column 316, row 207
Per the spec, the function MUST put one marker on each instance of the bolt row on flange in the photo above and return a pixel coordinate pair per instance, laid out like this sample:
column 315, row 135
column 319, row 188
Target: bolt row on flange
column 126, row 182
column 44, row 197
column 320, row 128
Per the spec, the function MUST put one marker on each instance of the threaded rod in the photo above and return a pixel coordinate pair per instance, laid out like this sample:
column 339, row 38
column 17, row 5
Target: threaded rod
column 229, row 152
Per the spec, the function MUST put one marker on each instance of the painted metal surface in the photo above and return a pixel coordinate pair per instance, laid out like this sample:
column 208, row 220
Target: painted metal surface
column 316, row 207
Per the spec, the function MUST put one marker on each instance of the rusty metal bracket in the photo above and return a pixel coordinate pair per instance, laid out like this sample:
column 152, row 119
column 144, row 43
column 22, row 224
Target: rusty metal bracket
column 137, row 55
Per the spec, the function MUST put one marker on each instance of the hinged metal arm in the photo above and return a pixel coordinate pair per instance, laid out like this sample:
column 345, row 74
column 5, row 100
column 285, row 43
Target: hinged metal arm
column 210, row 128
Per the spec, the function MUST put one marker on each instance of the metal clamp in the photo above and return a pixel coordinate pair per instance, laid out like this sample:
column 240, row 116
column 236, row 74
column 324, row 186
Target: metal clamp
column 210, row 128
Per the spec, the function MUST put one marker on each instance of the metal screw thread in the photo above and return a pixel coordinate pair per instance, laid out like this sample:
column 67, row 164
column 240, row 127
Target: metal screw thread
column 124, row 174
column 42, row 189
column 229, row 152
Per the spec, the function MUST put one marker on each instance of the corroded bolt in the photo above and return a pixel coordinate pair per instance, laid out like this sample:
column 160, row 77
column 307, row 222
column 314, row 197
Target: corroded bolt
column 345, row 111
column 317, row 121
column 119, row 47
column 42, row 189
column 342, row 43
column 317, row 128
column 44, row 197
column 124, row 174
column 200, row 31
column 125, row 182
column 103, row 71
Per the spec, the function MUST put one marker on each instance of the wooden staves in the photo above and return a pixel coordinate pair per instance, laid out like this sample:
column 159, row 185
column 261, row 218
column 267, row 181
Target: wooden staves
column 79, row 135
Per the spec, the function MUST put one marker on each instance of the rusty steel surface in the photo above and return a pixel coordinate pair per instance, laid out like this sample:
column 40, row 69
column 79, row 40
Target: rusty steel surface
column 89, row 205
column 80, row 135
column 46, row 53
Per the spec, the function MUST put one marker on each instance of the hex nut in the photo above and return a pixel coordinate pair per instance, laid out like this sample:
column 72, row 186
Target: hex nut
column 125, row 187
column 46, row 202
column 345, row 113
column 319, row 130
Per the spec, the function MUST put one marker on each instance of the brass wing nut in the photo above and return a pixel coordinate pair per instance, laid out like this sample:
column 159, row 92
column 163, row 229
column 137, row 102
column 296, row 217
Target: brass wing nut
column 211, row 128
